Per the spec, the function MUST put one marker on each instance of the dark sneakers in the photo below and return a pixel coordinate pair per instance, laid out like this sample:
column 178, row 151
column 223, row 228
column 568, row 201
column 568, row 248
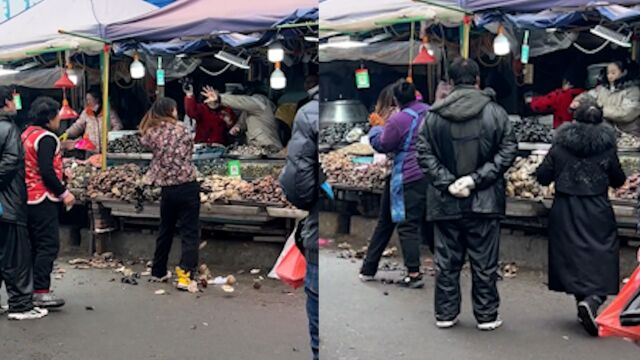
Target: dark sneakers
column 587, row 312
column 47, row 300
column 413, row 282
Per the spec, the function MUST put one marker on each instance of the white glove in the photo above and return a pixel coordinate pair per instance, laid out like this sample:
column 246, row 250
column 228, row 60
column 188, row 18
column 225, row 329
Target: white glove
column 466, row 182
column 459, row 192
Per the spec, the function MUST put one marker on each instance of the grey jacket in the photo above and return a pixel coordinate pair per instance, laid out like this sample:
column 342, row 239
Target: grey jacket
column 13, row 189
column 300, row 177
column 620, row 106
column 257, row 121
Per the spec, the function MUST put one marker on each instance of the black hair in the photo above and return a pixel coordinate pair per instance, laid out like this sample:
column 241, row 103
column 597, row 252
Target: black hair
column 588, row 112
column 43, row 110
column 405, row 93
column 464, row 72
column 574, row 77
column 5, row 95
column 96, row 94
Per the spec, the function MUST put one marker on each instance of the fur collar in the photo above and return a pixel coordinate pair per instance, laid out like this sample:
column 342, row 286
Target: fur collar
column 586, row 140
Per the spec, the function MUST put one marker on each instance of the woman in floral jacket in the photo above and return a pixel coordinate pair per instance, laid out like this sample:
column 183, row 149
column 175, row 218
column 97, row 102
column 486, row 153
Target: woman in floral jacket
column 172, row 169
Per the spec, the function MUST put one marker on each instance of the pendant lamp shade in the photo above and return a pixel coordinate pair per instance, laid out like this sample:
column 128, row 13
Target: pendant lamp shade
column 67, row 112
column 64, row 82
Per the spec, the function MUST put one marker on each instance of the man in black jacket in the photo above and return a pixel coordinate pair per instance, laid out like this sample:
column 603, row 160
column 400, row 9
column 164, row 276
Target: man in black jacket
column 15, row 250
column 465, row 147
column 300, row 182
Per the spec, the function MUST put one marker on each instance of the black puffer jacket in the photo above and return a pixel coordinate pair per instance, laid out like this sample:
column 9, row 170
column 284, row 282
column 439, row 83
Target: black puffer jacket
column 466, row 133
column 13, row 190
column 301, row 174
column 583, row 161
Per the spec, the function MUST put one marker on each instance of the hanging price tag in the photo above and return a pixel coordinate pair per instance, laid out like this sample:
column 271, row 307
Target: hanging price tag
column 362, row 79
column 17, row 99
column 233, row 168
column 160, row 77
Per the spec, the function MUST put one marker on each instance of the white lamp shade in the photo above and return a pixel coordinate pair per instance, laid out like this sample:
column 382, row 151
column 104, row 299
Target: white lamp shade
column 501, row 46
column 73, row 76
column 278, row 80
column 137, row 69
column 275, row 53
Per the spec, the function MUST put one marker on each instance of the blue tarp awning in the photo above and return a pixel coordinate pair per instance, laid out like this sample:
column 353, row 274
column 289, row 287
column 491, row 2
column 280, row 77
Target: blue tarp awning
column 532, row 6
column 193, row 18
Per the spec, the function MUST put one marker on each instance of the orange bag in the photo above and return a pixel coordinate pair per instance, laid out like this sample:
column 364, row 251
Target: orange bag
column 293, row 267
column 609, row 319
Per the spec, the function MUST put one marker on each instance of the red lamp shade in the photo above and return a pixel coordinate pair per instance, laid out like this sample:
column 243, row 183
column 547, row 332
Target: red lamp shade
column 64, row 82
column 67, row 112
column 424, row 57
column 85, row 144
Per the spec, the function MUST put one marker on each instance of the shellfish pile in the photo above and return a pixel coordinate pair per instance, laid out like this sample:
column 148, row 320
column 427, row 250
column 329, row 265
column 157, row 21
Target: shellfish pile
column 123, row 183
column 521, row 182
column 340, row 170
column 267, row 190
column 128, row 144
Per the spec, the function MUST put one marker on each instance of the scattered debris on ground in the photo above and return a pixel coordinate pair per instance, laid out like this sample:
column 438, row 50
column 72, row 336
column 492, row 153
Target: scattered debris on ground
column 508, row 270
column 161, row 292
column 390, row 252
column 255, row 271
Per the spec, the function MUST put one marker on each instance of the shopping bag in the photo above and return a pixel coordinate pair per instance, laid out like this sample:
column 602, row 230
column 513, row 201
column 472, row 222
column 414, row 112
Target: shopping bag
column 631, row 314
column 609, row 320
column 292, row 268
column 291, row 241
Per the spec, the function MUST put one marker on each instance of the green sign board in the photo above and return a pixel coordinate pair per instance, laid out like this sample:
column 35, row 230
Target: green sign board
column 362, row 79
column 233, row 168
column 17, row 99
column 160, row 77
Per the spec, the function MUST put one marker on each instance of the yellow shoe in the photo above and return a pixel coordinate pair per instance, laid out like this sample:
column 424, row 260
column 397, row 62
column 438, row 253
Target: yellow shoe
column 184, row 279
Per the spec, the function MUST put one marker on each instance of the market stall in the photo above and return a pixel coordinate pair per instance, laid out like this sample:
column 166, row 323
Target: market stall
column 521, row 48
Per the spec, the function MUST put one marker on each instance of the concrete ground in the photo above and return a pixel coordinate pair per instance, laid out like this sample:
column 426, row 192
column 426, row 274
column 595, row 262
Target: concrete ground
column 374, row 321
column 131, row 322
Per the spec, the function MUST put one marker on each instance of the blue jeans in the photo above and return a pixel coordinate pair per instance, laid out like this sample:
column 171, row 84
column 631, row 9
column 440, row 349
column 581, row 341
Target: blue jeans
column 313, row 312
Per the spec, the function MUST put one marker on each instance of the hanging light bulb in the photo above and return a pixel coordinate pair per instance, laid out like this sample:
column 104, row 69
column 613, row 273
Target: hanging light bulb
column 72, row 74
column 137, row 69
column 278, row 80
column 275, row 53
column 501, row 46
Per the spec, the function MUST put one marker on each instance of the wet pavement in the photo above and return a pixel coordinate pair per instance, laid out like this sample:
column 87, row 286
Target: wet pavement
column 131, row 322
column 374, row 321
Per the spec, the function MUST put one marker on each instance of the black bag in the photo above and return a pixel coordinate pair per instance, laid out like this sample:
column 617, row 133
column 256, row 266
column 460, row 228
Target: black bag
column 630, row 316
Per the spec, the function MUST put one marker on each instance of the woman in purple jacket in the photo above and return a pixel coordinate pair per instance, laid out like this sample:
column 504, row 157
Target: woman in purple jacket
column 404, row 198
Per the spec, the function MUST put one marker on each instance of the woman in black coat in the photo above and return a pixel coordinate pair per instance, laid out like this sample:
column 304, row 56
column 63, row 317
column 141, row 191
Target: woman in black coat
column 583, row 244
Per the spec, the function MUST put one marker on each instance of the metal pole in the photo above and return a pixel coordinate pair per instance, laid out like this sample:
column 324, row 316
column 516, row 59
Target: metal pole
column 105, row 104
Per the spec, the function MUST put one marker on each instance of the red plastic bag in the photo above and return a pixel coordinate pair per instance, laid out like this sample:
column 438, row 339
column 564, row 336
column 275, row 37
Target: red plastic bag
column 293, row 267
column 609, row 320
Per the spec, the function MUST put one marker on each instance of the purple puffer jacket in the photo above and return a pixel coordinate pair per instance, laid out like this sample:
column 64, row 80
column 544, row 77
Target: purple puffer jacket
column 390, row 139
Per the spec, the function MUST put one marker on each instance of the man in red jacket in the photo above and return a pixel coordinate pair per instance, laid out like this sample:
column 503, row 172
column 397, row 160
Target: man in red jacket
column 557, row 101
column 213, row 120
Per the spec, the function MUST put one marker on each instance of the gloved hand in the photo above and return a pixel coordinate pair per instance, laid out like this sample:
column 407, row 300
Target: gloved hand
column 466, row 182
column 459, row 192
column 64, row 136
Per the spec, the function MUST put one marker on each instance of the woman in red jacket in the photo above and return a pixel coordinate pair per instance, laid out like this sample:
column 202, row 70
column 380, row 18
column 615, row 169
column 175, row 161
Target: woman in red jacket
column 45, row 190
column 213, row 120
column 557, row 101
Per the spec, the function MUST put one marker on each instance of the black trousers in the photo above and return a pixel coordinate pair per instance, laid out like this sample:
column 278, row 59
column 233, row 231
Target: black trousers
column 411, row 232
column 45, row 241
column 179, row 212
column 15, row 266
column 480, row 239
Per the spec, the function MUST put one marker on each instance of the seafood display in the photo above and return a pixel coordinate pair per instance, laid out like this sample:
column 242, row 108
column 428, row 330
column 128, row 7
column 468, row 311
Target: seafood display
column 340, row 170
column 251, row 151
column 267, row 190
column 529, row 130
column 223, row 189
column 128, row 144
column 629, row 191
column 628, row 141
column 521, row 182
column 124, row 183
column 338, row 133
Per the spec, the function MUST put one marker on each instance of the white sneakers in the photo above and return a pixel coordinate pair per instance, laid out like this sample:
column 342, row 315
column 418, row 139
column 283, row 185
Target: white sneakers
column 4, row 309
column 35, row 313
column 366, row 278
column 446, row 324
column 488, row 326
